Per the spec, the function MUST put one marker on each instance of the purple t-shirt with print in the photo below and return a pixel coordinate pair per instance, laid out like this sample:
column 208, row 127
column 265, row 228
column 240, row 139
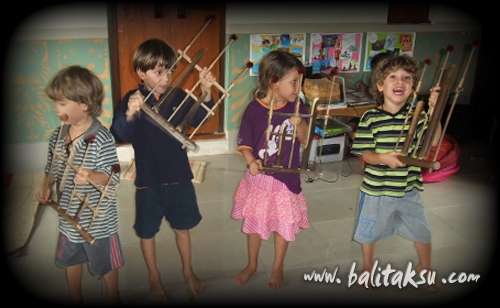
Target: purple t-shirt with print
column 252, row 134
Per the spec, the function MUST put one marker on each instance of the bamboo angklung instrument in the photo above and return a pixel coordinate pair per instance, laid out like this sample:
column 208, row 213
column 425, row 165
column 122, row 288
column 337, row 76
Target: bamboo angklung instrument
column 164, row 124
column 225, row 94
column 430, row 110
column 278, row 167
column 90, row 139
column 158, row 120
column 420, row 159
column 457, row 91
column 74, row 221
column 63, row 118
column 410, row 110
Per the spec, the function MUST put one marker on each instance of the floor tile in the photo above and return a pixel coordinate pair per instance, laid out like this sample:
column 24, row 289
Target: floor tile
column 462, row 212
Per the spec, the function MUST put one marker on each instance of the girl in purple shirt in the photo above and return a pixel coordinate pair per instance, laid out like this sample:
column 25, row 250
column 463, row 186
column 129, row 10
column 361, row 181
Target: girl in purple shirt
column 272, row 201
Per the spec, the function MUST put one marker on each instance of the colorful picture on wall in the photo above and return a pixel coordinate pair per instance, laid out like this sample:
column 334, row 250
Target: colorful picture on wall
column 395, row 43
column 261, row 44
column 341, row 51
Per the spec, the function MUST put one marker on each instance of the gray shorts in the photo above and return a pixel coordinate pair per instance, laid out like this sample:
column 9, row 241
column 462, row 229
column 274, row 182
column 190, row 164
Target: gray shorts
column 382, row 216
column 102, row 255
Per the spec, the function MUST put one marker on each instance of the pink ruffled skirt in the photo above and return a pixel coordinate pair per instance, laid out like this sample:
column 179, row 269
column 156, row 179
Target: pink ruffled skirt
column 266, row 205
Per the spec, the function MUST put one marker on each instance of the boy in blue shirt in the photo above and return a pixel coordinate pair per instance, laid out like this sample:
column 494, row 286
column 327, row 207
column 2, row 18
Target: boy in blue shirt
column 163, row 174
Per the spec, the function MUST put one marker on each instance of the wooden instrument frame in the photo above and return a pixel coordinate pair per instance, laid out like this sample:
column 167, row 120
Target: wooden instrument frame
column 419, row 158
column 74, row 221
column 434, row 114
column 164, row 124
column 304, row 165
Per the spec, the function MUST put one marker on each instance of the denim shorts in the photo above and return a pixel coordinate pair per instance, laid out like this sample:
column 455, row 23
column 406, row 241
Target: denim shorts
column 175, row 202
column 383, row 216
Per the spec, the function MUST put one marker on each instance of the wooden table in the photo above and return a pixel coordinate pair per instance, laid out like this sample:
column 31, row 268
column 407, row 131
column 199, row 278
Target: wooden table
column 354, row 111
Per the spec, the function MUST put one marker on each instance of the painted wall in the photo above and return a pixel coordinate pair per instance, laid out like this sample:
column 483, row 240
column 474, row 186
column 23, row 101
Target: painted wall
column 41, row 42
column 51, row 37
column 428, row 45
column 30, row 65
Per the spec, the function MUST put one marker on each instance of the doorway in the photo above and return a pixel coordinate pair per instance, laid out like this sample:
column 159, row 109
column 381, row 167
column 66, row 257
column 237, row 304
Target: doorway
column 187, row 28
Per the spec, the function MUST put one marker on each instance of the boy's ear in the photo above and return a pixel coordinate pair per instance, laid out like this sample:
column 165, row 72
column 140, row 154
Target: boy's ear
column 380, row 87
column 84, row 107
column 141, row 74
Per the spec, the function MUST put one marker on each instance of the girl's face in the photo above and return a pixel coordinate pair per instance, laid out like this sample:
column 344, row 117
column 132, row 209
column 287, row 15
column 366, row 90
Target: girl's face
column 287, row 88
column 70, row 112
column 154, row 76
column 397, row 86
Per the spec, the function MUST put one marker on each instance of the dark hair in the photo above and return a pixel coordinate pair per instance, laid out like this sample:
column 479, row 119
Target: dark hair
column 275, row 65
column 388, row 65
column 153, row 52
column 78, row 84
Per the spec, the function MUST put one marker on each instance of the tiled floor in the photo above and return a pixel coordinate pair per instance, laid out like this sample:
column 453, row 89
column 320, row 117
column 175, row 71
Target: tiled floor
column 461, row 209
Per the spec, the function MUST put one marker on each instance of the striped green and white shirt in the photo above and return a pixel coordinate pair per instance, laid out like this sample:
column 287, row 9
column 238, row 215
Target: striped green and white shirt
column 379, row 131
column 100, row 155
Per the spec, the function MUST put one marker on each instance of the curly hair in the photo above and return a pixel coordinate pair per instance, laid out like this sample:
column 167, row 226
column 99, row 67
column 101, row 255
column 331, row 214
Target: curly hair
column 388, row 65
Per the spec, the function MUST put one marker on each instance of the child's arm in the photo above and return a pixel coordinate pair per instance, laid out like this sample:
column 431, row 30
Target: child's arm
column 134, row 105
column 254, row 165
column 390, row 159
column 301, row 127
column 301, row 124
column 42, row 192
column 98, row 177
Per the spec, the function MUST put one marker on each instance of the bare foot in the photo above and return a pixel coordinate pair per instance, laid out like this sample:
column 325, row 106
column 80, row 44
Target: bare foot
column 433, row 288
column 365, row 286
column 115, row 301
column 243, row 276
column 156, row 289
column 276, row 280
column 195, row 284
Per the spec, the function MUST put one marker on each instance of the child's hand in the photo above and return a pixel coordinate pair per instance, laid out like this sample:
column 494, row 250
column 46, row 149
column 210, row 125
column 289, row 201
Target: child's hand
column 81, row 177
column 134, row 105
column 42, row 193
column 391, row 159
column 255, row 167
column 434, row 96
column 207, row 79
column 295, row 120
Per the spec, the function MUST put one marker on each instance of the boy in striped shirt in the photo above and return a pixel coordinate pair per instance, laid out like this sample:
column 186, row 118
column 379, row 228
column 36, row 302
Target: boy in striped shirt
column 390, row 193
column 83, row 142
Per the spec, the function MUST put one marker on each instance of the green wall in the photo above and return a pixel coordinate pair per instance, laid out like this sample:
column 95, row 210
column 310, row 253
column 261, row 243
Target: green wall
column 28, row 115
column 428, row 45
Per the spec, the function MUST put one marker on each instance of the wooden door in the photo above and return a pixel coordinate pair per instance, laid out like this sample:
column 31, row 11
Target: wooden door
column 186, row 27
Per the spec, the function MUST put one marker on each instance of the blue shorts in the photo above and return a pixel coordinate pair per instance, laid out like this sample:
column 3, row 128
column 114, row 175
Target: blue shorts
column 102, row 255
column 383, row 216
column 175, row 202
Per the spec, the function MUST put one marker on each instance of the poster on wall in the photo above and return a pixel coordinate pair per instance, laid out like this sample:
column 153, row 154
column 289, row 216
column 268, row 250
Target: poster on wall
column 397, row 43
column 261, row 44
column 341, row 51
